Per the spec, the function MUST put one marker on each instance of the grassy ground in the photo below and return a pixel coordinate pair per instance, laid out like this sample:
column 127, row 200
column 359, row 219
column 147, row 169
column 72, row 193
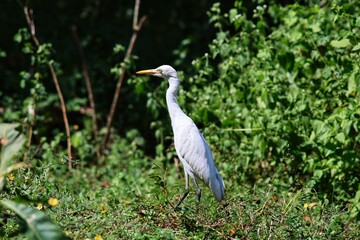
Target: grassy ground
column 134, row 200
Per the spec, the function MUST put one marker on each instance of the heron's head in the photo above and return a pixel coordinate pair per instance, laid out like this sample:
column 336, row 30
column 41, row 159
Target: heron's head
column 164, row 71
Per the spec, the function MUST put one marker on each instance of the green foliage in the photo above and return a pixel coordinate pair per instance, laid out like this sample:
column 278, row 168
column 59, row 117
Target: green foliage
column 298, row 81
column 39, row 225
column 135, row 200
column 279, row 101
column 276, row 96
column 11, row 142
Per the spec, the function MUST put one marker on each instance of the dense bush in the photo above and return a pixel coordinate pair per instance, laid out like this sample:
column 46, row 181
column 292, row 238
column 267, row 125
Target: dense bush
column 282, row 101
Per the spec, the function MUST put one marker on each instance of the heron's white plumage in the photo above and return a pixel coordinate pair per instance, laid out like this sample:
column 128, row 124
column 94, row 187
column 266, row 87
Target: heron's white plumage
column 190, row 145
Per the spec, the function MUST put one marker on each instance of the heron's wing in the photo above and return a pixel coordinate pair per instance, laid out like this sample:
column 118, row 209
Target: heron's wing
column 196, row 157
column 193, row 149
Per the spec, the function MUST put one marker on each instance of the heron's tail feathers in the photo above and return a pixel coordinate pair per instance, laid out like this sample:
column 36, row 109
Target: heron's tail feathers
column 217, row 186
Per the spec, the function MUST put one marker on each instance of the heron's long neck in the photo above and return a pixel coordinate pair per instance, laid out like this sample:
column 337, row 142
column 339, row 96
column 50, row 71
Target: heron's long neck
column 172, row 104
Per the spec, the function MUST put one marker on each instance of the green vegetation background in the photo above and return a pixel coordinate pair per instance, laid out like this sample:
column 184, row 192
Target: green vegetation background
column 273, row 85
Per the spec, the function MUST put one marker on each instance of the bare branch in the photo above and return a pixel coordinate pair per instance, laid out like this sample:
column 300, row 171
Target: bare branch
column 31, row 24
column 63, row 109
column 136, row 13
column 136, row 28
column 139, row 25
column 31, row 123
column 30, row 21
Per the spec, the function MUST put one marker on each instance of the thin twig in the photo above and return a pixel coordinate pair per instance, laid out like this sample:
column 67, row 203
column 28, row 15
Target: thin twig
column 136, row 28
column 63, row 109
column 29, row 142
column 31, row 114
column 31, row 24
column 88, row 84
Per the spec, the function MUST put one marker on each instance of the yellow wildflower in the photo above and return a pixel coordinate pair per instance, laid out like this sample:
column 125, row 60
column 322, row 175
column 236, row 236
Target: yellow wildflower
column 53, row 202
column 11, row 177
column 103, row 208
column 98, row 237
column 310, row 205
column 39, row 206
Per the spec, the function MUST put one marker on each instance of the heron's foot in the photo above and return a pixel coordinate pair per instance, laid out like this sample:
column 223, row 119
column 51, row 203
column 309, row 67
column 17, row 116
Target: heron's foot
column 181, row 199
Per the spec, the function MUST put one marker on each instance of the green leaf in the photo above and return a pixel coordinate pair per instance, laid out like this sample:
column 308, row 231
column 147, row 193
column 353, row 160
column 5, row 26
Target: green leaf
column 39, row 225
column 315, row 27
column 2, row 53
column 18, row 38
column 343, row 43
column 352, row 85
column 340, row 137
column 356, row 47
column 11, row 143
column 118, row 48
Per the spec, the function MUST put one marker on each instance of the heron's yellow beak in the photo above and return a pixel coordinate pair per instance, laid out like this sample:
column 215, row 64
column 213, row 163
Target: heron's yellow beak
column 147, row 72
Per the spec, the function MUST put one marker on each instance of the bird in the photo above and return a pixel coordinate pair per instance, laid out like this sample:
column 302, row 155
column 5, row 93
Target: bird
column 190, row 145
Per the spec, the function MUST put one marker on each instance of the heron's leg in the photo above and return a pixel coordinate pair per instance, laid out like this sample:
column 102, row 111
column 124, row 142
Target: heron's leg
column 186, row 189
column 181, row 199
column 198, row 190
column 186, row 181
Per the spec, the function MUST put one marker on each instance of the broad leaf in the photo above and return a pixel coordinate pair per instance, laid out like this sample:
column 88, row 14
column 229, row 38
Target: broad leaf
column 11, row 141
column 343, row 43
column 39, row 225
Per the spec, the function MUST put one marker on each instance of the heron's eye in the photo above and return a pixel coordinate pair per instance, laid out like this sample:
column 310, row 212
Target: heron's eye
column 159, row 71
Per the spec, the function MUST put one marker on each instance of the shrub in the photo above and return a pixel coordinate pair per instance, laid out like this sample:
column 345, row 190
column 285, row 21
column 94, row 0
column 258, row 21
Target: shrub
column 278, row 94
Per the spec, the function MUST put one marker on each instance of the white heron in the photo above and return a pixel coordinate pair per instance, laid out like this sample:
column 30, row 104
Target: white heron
column 190, row 145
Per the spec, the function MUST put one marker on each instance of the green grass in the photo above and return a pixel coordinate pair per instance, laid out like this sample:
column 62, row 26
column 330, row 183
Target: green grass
column 134, row 200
